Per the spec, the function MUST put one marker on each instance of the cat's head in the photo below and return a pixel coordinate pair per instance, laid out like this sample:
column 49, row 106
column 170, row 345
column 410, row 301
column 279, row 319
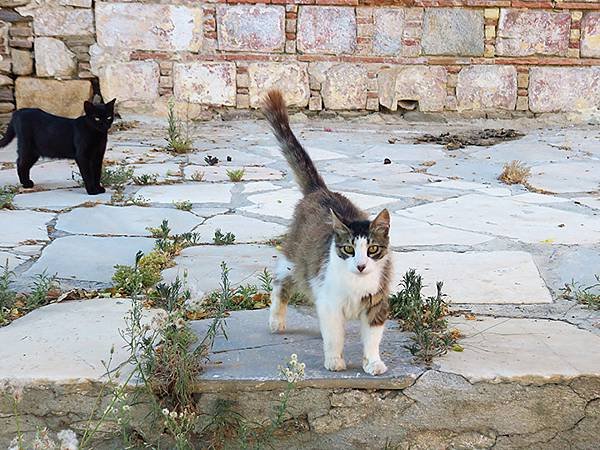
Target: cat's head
column 363, row 244
column 100, row 116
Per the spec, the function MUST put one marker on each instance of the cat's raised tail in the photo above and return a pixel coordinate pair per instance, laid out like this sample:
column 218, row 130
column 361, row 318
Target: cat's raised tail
column 8, row 136
column 304, row 169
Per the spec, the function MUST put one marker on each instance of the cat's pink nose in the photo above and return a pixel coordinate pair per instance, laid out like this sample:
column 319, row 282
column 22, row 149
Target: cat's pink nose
column 361, row 267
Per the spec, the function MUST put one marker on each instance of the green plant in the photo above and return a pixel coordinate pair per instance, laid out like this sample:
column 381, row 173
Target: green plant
column 42, row 284
column 183, row 205
column 116, row 177
column 7, row 295
column 178, row 137
column 236, row 175
column 223, row 239
column 7, row 195
column 266, row 281
column 425, row 317
column 145, row 178
column 586, row 295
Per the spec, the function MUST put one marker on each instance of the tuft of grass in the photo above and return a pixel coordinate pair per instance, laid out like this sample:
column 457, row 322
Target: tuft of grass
column 42, row 284
column 425, row 317
column 7, row 295
column 117, row 177
column 145, row 179
column 515, row 172
column 198, row 175
column 7, row 195
column 183, row 205
column 223, row 239
column 586, row 295
column 178, row 136
column 236, row 175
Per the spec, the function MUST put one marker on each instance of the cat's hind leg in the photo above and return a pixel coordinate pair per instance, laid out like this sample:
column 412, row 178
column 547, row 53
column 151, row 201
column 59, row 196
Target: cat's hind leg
column 282, row 287
column 25, row 161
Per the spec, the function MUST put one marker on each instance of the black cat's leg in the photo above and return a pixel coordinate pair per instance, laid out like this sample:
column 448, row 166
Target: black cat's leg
column 86, row 175
column 97, row 171
column 25, row 162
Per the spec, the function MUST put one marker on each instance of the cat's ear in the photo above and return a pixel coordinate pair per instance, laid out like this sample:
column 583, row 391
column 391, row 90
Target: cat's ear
column 88, row 107
column 111, row 104
column 338, row 226
column 381, row 223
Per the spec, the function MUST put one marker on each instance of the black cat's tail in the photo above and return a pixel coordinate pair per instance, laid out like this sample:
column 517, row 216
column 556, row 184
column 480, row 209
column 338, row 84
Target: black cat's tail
column 8, row 136
column 304, row 169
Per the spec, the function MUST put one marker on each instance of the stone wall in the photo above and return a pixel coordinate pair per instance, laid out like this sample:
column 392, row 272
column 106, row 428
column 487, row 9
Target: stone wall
column 508, row 57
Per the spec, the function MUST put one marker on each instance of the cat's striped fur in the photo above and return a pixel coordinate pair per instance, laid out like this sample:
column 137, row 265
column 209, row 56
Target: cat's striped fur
column 333, row 254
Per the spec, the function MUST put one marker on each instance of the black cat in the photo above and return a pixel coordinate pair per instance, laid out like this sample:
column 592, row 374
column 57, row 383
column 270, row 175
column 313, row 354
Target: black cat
column 40, row 134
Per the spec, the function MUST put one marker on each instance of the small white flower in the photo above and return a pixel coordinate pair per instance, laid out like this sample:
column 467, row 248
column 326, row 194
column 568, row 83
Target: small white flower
column 165, row 412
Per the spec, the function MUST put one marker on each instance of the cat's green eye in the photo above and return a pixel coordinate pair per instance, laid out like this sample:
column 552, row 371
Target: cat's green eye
column 348, row 249
column 373, row 249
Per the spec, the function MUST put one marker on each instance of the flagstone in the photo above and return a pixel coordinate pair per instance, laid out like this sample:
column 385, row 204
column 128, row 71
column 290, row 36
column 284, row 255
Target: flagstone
column 19, row 226
column 219, row 173
column 245, row 229
column 193, row 192
column 238, row 157
column 566, row 177
column 57, row 200
column 10, row 261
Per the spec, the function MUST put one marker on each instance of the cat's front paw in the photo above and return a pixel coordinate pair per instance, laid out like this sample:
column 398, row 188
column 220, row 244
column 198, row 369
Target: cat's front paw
column 101, row 190
column 96, row 191
column 335, row 363
column 376, row 367
column 27, row 184
column 276, row 325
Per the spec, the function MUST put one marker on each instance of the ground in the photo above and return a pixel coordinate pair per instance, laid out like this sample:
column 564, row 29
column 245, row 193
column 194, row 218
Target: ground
column 504, row 252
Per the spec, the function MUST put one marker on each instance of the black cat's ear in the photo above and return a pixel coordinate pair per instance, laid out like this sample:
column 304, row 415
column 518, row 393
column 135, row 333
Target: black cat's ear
column 111, row 104
column 88, row 107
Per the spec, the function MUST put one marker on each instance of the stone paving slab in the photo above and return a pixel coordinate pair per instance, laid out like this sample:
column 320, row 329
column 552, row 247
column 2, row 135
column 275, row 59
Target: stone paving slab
column 219, row 173
column 245, row 229
column 559, row 178
column 477, row 277
column 238, row 158
column 64, row 341
column 20, row 226
column 246, row 262
column 194, row 193
column 57, row 200
column 88, row 258
column 10, row 261
column 527, row 350
column 125, row 221
column 46, row 175
column 251, row 354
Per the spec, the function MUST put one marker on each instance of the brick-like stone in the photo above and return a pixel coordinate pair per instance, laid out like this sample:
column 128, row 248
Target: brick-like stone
column 533, row 32
column 64, row 98
column 251, row 28
column 345, row 87
column 590, row 35
column 22, row 62
column 138, row 26
column 487, row 87
column 391, row 26
column 290, row 78
column 453, row 31
column 326, row 29
column 424, row 84
column 6, row 81
column 315, row 103
column 53, row 58
column 62, row 21
column 205, row 83
column 135, row 81
column 564, row 89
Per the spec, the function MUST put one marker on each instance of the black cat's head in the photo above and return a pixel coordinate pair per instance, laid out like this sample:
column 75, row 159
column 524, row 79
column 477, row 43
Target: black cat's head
column 100, row 116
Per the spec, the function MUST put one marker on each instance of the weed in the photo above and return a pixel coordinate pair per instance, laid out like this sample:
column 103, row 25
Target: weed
column 136, row 200
column 183, row 205
column 170, row 296
column 586, row 295
column 7, row 195
column 515, row 172
column 145, row 179
column 424, row 317
column 266, row 281
column 7, row 295
column 198, row 175
column 236, row 175
column 42, row 284
column 117, row 176
column 178, row 136
column 223, row 239
column 211, row 160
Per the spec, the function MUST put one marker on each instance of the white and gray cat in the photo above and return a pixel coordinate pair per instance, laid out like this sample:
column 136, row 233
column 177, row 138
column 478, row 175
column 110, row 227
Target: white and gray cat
column 333, row 254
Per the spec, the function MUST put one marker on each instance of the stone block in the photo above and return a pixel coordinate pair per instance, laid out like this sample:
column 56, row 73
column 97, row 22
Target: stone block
column 53, row 58
column 390, row 27
column 136, row 81
column 22, row 62
column 486, row 87
column 290, row 78
column 326, row 29
column 547, row 92
column 149, row 26
column 590, row 35
column 252, row 28
column 453, row 31
column 205, row 83
column 64, row 98
column 424, row 84
column 62, row 21
column 533, row 32
column 345, row 87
